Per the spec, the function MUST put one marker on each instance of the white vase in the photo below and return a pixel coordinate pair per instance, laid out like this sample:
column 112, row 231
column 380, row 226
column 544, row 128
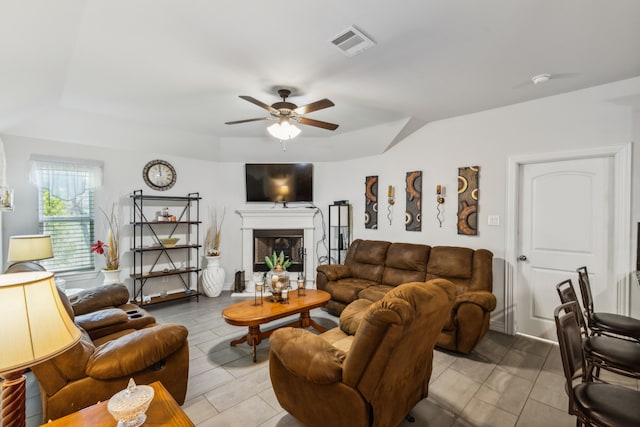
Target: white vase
column 213, row 277
column 111, row 276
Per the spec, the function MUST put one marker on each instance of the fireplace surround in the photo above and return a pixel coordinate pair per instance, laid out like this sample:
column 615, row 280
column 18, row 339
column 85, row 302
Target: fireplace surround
column 293, row 225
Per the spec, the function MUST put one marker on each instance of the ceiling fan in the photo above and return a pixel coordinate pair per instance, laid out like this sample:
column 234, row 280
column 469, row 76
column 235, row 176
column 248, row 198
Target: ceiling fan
column 285, row 112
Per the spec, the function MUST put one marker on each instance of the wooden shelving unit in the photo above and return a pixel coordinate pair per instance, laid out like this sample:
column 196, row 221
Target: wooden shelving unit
column 152, row 260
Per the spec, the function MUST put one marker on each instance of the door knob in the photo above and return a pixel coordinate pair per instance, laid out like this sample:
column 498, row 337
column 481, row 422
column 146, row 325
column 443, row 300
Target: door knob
column 522, row 258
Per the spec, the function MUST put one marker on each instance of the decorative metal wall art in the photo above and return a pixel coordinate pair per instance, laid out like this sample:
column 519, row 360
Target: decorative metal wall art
column 440, row 202
column 413, row 213
column 468, row 200
column 391, row 200
column 371, row 203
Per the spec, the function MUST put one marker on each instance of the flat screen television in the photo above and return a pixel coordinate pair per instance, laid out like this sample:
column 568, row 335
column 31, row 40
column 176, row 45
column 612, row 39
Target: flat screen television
column 279, row 182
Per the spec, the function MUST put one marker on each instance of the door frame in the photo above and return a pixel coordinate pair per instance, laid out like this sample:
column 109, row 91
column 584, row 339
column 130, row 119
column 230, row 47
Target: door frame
column 621, row 217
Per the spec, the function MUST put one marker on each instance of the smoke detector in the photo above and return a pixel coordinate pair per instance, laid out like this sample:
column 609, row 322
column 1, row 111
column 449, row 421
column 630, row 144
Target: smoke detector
column 352, row 42
column 541, row 78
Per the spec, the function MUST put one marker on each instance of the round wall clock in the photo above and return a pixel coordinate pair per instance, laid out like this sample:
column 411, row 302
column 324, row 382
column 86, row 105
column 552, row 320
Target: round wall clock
column 159, row 175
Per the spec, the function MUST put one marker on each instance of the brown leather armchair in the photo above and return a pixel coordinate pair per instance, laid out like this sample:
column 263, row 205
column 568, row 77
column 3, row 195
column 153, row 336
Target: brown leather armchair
column 95, row 369
column 105, row 309
column 372, row 369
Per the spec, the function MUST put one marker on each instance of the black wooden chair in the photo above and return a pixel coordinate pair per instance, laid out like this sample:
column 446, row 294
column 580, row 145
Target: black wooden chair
column 605, row 323
column 603, row 352
column 593, row 403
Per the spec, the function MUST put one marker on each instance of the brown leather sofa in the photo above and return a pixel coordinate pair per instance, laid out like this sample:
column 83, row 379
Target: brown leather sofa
column 105, row 309
column 96, row 369
column 372, row 268
column 369, row 371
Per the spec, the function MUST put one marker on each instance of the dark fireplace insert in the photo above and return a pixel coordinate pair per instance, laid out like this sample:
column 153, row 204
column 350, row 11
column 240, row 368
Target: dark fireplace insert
column 289, row 241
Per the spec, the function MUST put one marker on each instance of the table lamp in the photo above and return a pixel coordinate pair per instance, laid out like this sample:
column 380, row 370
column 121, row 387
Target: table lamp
column 25, row 250
column 35, row 327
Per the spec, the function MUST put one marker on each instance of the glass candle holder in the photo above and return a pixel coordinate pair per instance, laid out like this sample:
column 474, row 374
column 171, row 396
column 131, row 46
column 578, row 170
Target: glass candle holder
column 285, row 295
column 301, row 287
column 258, row 291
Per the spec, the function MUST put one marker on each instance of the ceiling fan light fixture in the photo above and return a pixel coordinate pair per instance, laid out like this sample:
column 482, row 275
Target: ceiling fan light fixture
column 283, row 130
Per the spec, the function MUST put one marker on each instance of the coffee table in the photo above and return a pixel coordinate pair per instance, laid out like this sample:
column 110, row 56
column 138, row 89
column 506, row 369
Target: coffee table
column 163, row 411
column 247, row 313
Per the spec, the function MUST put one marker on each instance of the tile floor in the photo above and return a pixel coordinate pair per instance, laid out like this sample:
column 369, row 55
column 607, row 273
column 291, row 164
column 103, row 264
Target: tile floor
column 506, row 381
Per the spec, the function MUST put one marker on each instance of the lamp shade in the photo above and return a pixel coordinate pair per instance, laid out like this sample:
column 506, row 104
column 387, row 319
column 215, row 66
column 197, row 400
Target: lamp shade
column 35, row 323
column 30, row 248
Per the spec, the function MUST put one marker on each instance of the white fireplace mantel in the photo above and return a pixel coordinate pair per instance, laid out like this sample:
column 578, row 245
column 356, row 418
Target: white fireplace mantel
column 277, row 219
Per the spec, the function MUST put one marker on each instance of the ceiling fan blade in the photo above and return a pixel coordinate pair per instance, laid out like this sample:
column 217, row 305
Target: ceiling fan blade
column 314, row 106
column 246, row 120
column 317, row 123
column 269, row 108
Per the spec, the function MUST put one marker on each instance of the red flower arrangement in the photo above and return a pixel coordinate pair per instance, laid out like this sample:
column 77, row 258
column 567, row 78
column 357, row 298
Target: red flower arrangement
column 110, row 250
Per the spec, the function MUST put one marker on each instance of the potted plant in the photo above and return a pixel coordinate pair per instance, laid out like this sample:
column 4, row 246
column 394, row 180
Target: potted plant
column 213, row 274
column 110, row 249
column 277, row 277
column 212, row 238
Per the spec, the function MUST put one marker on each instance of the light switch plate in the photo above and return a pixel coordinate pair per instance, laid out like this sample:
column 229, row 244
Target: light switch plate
column 493, row 220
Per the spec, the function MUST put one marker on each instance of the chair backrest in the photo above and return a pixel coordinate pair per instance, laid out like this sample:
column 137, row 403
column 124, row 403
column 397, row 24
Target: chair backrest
column 567, row 293
column 585, row 290
column 391, row 355
column 570, row 342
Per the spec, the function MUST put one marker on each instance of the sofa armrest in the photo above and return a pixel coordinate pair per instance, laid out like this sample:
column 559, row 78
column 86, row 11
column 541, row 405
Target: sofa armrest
column 307, row 355
column 335, row 271
column 136, row 351
column 101, row 318
column 486, row 300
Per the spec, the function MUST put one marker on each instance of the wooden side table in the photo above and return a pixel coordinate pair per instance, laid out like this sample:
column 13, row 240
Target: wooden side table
column 163, row 411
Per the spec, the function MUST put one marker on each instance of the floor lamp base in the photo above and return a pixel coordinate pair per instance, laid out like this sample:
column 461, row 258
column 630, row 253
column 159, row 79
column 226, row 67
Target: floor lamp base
column 13, row 399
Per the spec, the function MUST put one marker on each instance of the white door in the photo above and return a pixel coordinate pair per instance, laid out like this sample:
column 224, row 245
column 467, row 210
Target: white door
column 564, row 215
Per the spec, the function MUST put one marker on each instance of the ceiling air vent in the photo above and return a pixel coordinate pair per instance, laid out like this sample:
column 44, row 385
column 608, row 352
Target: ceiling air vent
column 352, row 42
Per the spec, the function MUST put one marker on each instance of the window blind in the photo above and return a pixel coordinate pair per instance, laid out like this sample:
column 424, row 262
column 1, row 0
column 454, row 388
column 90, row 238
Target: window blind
column 66, row 208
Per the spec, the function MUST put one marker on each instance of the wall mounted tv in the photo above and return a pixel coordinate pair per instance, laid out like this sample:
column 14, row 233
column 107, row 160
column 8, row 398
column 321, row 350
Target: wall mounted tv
column 279, row 182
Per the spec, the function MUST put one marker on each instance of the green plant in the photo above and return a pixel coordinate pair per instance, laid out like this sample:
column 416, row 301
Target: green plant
column 275, row 260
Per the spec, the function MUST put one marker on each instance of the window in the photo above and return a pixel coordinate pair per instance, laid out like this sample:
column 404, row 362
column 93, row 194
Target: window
column 66, row 210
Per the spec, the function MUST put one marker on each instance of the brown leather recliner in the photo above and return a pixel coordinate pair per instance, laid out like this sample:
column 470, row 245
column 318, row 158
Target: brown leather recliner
column 105, row 309
column 374, row 267
column 372, row 369
column 96, row 369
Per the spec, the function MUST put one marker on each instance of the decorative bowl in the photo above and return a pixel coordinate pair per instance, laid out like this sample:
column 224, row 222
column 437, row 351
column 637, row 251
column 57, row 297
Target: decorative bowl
column 128, row 406
column 169, row 242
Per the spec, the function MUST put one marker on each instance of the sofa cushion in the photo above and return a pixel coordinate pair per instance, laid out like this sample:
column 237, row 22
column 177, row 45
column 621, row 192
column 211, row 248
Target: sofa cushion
column 408, row 256
column 308, row 356
column 100, row 297
column 372, row 252
column 132, row 353
column 347, row 290
column 368, row 260
column 375, row 292
column 450, row 262
column 352, row 315
column 405, row 262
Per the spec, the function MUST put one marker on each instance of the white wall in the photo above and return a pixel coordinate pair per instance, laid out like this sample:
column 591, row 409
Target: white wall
column 122, row 175
column 595, row 117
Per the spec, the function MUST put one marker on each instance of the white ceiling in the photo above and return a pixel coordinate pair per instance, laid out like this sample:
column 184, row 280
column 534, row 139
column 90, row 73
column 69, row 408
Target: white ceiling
column 165, row 75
